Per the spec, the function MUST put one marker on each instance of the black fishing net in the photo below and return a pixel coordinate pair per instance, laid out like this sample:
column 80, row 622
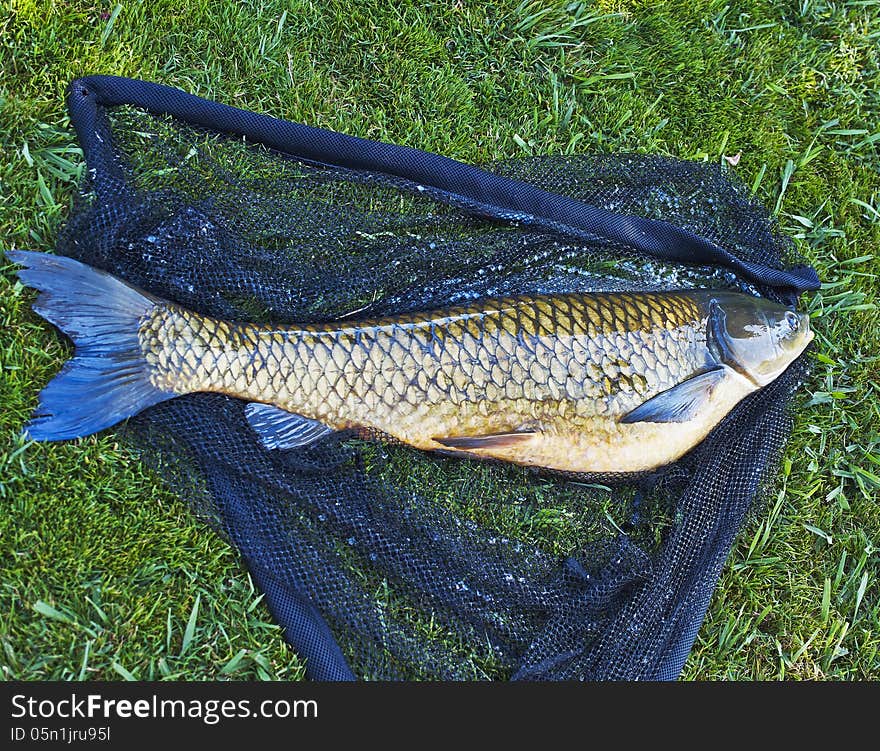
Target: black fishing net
column 382, row 561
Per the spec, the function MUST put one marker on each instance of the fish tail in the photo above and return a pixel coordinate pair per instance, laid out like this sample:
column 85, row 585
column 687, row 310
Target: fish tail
column 108, row 379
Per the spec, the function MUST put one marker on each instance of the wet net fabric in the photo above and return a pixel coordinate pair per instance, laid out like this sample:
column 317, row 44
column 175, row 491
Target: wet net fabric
column 383, row 562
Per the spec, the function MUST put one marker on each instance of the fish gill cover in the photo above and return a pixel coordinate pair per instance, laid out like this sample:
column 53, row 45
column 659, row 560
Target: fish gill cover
column 385, row 562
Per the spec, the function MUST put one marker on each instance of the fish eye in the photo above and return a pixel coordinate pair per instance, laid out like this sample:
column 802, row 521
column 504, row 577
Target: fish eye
column 791, row 318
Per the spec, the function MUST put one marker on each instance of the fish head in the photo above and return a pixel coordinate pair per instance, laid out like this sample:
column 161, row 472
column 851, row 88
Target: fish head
column 756, row 337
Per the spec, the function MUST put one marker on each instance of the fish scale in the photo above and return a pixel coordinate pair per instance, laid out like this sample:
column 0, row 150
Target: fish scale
column 563, row 363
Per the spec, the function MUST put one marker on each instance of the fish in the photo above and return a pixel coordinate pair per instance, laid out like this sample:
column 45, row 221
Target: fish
column 604, row 382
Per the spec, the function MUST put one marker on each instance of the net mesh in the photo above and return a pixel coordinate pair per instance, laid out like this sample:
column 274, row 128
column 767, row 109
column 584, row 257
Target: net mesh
column 425, row 566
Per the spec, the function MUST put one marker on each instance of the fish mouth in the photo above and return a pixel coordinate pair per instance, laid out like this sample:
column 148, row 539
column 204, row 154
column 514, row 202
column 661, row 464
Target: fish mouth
column 809, row 334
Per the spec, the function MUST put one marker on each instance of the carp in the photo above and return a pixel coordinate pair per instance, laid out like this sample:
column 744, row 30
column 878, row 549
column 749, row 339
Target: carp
column 587, row 382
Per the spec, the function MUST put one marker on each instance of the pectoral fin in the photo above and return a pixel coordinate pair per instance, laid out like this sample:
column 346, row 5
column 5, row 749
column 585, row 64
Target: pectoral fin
column 494, row 441
column 279, row 429
column 680, row 403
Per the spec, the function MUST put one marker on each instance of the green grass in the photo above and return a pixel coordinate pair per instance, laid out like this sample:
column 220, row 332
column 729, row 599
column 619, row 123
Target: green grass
column 106, row 575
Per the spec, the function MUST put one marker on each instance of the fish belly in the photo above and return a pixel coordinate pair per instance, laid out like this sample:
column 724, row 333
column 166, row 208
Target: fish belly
column 605, row 445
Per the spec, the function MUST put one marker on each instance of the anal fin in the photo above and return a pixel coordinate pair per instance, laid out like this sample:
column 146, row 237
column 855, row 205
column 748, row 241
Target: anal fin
column 494, row 441
column 681, row 403
column 280, row 429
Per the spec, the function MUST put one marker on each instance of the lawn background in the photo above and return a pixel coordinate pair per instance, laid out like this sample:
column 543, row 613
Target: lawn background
column 107, row 575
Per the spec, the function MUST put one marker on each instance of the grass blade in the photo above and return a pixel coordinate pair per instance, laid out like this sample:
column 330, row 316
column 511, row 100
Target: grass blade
column 190, row 626
column 108, row 28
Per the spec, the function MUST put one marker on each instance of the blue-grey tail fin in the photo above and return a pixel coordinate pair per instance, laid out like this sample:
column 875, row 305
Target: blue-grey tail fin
column 108, row 379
